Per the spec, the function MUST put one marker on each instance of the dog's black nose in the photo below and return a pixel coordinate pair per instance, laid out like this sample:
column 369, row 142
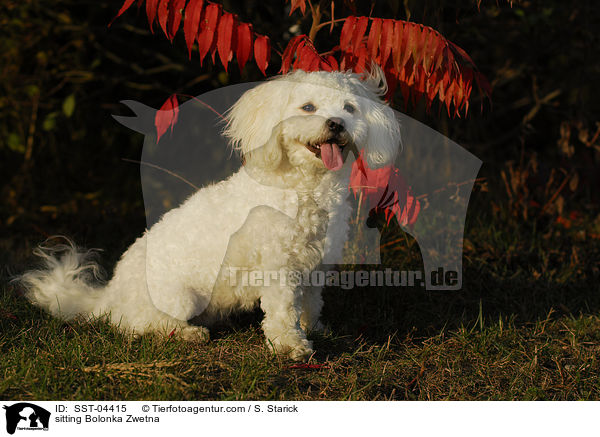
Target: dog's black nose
column 335, row 124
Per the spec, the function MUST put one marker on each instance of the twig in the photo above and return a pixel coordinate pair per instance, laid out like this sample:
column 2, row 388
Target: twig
column 181, row 178
column 451, row 185
column 411, row 385
column 316, row 17
column 196, row 99
column 31, row 130
column 557, row 192
column 330, row 22
column 332, row 16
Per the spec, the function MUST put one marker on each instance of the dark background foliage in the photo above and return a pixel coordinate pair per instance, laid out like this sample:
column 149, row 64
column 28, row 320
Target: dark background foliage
column 63, row 72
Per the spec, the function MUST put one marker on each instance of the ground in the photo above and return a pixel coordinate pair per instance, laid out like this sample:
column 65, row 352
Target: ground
column 525, row 326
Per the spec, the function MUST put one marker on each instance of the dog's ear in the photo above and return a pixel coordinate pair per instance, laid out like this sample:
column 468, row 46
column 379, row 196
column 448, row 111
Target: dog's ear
column 383, row 140
column 266, row 157
column 252, row 118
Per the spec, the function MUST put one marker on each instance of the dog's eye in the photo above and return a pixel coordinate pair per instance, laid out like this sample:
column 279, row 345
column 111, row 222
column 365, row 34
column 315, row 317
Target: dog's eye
column 349, row 108
column 309, row 107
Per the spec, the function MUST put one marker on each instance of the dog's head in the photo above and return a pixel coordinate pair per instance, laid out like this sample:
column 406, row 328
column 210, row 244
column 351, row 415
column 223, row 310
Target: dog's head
column 321, row 116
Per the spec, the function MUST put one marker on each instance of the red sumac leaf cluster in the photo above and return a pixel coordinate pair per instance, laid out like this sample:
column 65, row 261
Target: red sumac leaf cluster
column 214, row 30
column 301, row 54
column 414, row 57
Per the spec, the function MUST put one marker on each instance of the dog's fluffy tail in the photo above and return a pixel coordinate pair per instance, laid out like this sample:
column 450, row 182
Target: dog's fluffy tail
column 64, row 284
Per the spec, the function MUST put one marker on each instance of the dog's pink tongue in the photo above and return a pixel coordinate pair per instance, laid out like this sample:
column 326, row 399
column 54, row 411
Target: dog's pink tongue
column 331, row 156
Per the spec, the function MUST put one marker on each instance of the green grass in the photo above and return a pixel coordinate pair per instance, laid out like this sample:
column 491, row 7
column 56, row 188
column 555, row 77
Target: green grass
column 524, row 327
column 550, row 359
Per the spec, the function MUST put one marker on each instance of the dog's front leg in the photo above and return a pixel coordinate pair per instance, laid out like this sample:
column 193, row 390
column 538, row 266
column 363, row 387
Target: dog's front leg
column 281, row 325
column 312, row 303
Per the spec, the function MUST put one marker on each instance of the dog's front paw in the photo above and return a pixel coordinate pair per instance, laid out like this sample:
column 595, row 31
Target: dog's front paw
column 197, row 334
column 300, row 351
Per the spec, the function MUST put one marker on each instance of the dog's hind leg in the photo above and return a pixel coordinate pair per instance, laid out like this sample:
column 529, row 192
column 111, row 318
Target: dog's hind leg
column 129, row 306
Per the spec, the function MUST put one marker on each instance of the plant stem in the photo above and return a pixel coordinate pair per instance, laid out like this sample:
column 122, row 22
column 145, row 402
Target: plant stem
column 326, row 23
column 316, row 20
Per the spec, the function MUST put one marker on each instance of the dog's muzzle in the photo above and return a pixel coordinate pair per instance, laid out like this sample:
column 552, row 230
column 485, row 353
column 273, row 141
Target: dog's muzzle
column 330, row 151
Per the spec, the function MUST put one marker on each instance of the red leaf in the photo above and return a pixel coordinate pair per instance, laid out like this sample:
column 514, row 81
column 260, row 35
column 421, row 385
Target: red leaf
column 288, row 54
column 448, row 58
column 374, row 36
column 420, row 79
column 397, row 46
column 310, row 59
column 359, row 32
column 224, row 37
column 206, row 37
column 300, row 58
column 345, row 61
column 428, row 48
column 126, row 5
column 262, row 52
column 347, row 32
column 436, row 49
column 315, row 63
column 461, row 52
column 163, row 15
column 414, row 33
column 192, row 22
column 404, row 46
column 151, row 8
column 332, row 62
column 324, row 66
column 421, row 46
column 307, row 58
column 174, row 18
column 361, row 61
column 387, row 33
column 244, row 44
column 444, row 83
column 298, row 4
column 166, row 116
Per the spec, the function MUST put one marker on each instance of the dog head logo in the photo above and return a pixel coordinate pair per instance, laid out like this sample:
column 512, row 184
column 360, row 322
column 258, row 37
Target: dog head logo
column 26, row 416
column 398, row 166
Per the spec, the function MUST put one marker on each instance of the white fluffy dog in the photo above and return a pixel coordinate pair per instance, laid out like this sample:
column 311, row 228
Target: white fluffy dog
column 281, row 212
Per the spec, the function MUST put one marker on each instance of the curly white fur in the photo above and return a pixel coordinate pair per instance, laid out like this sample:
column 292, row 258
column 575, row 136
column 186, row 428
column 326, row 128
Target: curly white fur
column 280, row 212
